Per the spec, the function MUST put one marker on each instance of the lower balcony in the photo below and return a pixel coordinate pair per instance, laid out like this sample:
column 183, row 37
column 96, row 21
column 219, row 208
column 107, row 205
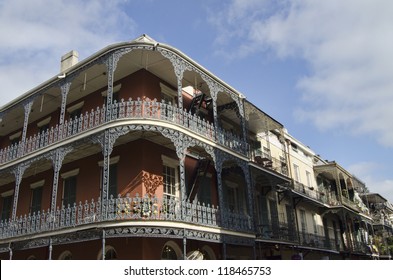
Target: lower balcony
column 124, row 209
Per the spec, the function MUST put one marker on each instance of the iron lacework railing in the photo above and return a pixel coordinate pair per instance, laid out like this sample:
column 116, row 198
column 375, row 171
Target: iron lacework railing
column 126, row 109
column 123, row 208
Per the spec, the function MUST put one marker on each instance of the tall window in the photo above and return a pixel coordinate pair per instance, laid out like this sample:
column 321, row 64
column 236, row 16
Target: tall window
column 297, row 172
column 303, row 220
column 169, row 173
column 314, row 223
column 69, row 192
column 6, row 207
column 308, row 175
column 233, row 194
column 204, row 192
column 112, row 188
column 167, row 94
column 170, row 177
column 36, row 199
column 112, row 184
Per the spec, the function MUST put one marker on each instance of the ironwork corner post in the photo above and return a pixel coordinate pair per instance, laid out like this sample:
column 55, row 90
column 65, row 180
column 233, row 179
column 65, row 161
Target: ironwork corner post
column 65, row 89
column 110, row 64
column 218, row 167
column 27, row 107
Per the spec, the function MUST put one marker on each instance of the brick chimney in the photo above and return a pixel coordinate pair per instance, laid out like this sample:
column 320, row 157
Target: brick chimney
column 68, row 60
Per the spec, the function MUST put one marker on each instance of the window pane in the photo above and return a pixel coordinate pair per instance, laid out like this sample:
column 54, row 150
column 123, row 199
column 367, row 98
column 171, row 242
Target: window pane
column 36, row 200
column 69, row 197
column 6, row 209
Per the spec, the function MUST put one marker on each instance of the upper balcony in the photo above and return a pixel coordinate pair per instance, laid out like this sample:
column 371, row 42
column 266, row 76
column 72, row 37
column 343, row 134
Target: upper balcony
column 138, row 112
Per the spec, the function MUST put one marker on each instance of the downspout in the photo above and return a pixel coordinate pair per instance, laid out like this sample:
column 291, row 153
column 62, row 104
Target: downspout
column 103, row 244
column 184, row 245
column 10, row 250
column 50, row 248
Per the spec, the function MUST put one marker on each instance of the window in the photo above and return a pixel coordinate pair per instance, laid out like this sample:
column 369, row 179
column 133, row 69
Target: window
column 112, row 184
column 204, row 191
column 294, row 147
column 169, row 173
column 296, row 172
column 232, row 199
column 66, row 255
column 69, row 187
column 69, row 192
column 167, row 94
column 171, row 251
column 15, row 138
column 303, row 221
column 75, row 110
column 36, row 198
column 115, row 94
column 171, row 177
column 168, row 253
column 308, row 175
column 314, row 223
column 6, row 205
column 110, row 253
column 43, row 125
column 112, row 188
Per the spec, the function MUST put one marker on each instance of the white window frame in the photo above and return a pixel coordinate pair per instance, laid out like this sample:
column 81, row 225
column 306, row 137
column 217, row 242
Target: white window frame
column 168, row 92
column 172, row 163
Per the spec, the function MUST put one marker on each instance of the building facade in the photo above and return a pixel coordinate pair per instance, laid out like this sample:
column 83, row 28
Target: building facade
column 138, row 152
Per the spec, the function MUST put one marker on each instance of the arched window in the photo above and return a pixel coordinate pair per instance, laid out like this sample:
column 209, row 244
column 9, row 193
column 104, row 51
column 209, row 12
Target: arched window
column 171, row 251
column 66, row 255
column 110, row 253
column 208, row 253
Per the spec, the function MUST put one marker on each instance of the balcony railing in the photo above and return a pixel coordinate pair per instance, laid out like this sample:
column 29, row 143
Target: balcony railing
column 315, row 194
column 266, row 160
column 130, row 109
column 122, row 208
column 318, row 241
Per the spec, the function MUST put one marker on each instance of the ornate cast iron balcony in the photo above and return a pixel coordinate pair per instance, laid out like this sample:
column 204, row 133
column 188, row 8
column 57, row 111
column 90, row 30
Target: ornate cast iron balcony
column 126, row 208
column 124, row 110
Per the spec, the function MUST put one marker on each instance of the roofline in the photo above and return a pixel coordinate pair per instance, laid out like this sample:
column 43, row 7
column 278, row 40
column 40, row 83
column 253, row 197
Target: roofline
column 108, row 49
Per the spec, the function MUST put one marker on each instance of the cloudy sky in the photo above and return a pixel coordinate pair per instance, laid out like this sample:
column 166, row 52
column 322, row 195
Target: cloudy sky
column 322, row 68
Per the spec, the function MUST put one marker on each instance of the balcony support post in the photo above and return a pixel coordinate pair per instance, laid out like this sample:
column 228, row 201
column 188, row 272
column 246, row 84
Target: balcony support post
column 107, row 140
column 18, row 172
column 57, row 156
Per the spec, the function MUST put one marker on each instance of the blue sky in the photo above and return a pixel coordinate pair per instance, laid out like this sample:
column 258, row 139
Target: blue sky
column 322, row 68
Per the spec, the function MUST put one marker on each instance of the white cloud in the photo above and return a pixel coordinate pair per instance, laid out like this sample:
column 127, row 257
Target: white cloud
column 35, row 34
column 348, row 46
column 366, row 171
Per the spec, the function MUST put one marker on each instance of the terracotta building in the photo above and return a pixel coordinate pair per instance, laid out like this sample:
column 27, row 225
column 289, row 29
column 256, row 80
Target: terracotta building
column 138, row 152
